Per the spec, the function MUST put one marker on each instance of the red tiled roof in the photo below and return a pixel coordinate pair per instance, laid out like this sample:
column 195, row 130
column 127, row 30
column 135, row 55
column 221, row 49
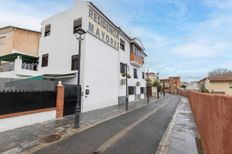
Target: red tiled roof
column 221, row 78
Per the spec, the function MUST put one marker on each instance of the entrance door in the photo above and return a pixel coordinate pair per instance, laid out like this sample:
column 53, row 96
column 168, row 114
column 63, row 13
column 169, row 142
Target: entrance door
column 70, row 99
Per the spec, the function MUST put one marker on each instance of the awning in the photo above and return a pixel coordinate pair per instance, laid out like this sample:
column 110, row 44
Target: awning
column 25, row 58
column 59, row 76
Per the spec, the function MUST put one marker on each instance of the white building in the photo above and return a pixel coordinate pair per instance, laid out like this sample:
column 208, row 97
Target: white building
column 105, row 51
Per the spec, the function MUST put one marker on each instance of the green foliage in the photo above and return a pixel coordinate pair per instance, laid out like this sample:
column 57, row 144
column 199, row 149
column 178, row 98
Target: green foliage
column 203, row 89
column 183, row 86
column 155, row 83
column 126, row 75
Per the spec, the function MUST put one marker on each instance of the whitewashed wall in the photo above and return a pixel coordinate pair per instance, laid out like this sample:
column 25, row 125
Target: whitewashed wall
column 125, row 58
column 101, row 74
column 100, row 63
column 26, row 120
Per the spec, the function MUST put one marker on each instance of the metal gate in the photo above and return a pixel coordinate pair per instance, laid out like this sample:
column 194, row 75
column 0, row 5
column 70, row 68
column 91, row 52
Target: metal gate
column 70, row 99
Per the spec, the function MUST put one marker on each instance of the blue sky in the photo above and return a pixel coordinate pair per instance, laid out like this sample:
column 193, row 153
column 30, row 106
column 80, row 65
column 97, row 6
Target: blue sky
column 182, row 37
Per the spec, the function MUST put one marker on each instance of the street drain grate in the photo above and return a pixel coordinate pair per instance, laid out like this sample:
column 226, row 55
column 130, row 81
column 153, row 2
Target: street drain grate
column 50, row 138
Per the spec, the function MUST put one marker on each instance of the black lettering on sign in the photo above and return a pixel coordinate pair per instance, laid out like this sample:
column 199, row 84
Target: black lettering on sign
column 103, row 29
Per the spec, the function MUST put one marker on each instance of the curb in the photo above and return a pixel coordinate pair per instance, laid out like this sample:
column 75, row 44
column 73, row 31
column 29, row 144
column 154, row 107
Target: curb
column 164, row 142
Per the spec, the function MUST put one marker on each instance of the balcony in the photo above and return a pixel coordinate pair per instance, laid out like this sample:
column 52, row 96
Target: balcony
column 135, row 60
column 7, row 67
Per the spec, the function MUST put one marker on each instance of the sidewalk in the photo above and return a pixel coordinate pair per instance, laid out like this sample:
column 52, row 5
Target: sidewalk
column 181, row 136
column 21, row 139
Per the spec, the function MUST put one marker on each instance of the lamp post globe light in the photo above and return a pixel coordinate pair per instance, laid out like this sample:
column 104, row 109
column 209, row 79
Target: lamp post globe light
column 79, row 33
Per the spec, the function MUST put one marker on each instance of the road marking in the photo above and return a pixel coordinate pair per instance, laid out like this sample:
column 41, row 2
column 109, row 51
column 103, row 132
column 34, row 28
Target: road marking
column 115, row 138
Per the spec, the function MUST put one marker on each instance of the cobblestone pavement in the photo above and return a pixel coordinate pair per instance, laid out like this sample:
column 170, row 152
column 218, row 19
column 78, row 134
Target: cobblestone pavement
column 21, row 139
column 181, row 136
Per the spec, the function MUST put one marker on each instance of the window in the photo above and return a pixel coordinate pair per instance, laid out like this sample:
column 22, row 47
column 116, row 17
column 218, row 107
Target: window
column 122, row 44
column 135, row 74
column 77, row 24
column 75, row 62
column 131, row 90
column 142, row 90
column 47, row 30
column 122, row 68
column 143, row 75
column 2, row 40
column 45, row 60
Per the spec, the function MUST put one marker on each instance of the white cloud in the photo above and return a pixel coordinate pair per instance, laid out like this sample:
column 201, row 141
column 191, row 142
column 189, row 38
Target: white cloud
column 221, row 4
column 10, row 18
column 201, row 49
column 208, row 39
column 28, row 15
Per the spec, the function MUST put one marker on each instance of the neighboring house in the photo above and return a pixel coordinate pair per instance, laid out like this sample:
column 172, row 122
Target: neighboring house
column 18, row 52
column 220, row 84
column 191, row 85
column 171, row 84
column 152, row 77
column 165, row 83
column 106, row 51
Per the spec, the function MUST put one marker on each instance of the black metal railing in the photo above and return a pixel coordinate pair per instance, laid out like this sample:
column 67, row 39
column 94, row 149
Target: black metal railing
column 22, row 101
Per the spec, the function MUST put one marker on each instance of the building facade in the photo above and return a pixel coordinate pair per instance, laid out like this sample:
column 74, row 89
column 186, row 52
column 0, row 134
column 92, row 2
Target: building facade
column 152, row 77
column 171, row 85
column 106, row 53
column 18, row 52
column 220, row 84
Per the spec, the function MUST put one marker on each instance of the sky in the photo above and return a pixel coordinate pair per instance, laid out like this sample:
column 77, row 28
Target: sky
column 186, row 38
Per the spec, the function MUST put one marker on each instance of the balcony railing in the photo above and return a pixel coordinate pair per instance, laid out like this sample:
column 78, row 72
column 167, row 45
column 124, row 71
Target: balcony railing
column 29, row 66
column 136, row 60
column 7, row 67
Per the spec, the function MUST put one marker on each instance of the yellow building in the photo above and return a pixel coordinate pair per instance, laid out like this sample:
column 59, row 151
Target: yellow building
column 14, row 39
column 220, row 84
column 18, row 52
column 152, row 77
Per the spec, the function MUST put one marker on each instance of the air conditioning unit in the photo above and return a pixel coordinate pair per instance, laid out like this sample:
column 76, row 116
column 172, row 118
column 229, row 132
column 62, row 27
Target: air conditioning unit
column 123, row 81
column 137, row 83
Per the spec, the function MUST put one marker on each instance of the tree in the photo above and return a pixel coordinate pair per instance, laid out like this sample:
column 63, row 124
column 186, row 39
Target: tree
column 155, row 83
column 219, row 71
column 203, row 89
column 183, row 86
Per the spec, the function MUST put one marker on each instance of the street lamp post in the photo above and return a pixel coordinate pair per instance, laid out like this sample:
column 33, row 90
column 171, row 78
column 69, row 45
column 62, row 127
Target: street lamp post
column 127, row 101
column 157, row 85
column 148, row 98
column 78, row 33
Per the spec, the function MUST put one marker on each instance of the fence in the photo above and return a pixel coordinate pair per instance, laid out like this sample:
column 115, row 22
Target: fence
column 23, row 108
column 183, row 93
column 30, row 84
column 22, row 101
column 213, row 115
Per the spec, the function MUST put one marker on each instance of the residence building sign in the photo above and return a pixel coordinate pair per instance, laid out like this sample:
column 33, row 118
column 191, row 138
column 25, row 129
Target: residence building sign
column 103, row 29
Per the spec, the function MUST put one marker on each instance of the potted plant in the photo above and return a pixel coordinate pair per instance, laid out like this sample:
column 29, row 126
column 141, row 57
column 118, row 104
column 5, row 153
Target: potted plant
column 123, row 74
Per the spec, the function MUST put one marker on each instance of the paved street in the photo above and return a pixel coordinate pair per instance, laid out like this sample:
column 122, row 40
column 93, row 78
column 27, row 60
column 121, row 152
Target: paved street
column 25, row 138
column 139, row 131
